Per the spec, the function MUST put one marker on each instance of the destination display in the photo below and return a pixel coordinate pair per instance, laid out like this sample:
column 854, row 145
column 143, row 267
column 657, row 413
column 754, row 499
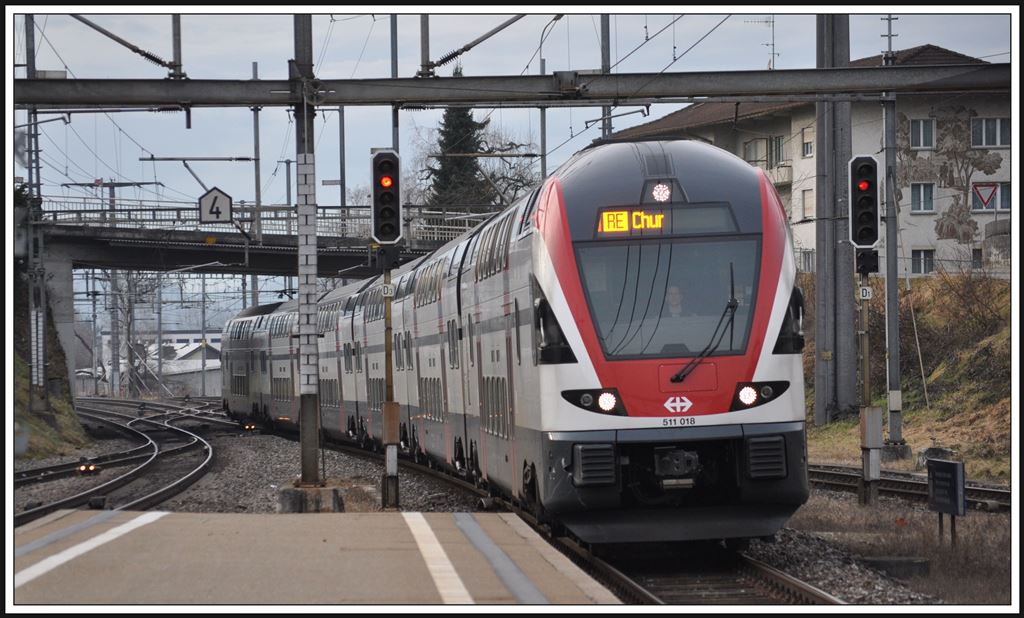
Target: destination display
column 688, row 219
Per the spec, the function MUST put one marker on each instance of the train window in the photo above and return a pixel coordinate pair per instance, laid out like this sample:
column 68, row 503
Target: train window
column 525, row 223
column 507, row 240
column 662, row 298
column 481, row 256
column 453, row 266
column 492, row 247
column 408, row 349
column 469, row 327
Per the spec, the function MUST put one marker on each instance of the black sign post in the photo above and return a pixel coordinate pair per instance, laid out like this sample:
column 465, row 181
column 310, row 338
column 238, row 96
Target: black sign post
column 946, row 492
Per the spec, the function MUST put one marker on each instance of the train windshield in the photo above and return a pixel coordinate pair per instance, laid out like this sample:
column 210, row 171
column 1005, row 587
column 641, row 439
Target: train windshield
column 663, row 299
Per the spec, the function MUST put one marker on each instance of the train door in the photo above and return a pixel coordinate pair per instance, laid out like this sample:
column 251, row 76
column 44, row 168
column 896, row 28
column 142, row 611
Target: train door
column 359, row 368
column 349, row 405
column 471, row 378
column 459, row 429
column 337, row 326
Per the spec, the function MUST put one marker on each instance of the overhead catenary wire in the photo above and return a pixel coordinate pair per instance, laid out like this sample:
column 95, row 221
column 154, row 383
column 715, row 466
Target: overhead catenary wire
column 706, row 35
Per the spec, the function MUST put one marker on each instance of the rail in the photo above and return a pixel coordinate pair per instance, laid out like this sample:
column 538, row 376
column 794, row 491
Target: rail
column 904, row 485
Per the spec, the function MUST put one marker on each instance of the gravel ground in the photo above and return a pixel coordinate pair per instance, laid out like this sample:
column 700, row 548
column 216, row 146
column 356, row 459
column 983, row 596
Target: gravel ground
column 833, row 570
column 248, row 470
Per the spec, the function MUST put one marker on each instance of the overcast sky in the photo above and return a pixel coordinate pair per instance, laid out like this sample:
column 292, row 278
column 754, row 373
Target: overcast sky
column 219, row 46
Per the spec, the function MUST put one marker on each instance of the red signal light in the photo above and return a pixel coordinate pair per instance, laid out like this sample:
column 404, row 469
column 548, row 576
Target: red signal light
column 863, row 185
column 386, row 181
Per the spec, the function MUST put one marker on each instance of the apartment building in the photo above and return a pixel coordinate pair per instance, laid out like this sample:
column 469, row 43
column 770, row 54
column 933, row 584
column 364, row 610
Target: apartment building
column 953, row 164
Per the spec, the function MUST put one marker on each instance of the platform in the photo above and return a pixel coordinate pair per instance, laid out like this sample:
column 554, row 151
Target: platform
column 116, row 557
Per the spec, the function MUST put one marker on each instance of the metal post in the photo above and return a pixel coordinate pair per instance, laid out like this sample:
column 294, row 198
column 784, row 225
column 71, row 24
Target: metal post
column 824, row 326
column 160, row 328
column 115, row 336
column 845, row 277
column 865, row 368
column 425, row 45
column 309, row 365
column 176, row 72
column 38, row 397
column 258, row 214
column 836, row 353
column 543, row 133
column 288, row 199
column 870, row 417
column 394, row 75
column 389, row 491
column 606, row 121
column 202, row 335
column 341, row 159
column 95, row 378
column 133, row 386
column 892, row 321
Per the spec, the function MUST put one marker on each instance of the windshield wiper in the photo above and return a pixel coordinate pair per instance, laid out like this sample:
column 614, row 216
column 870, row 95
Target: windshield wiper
column 712, row 346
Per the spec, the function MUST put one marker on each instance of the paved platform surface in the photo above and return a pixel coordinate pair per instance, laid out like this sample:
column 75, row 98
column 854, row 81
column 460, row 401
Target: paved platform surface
column 116, row 557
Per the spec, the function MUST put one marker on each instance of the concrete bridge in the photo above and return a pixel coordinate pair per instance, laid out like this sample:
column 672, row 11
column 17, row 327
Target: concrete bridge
column 154, row 236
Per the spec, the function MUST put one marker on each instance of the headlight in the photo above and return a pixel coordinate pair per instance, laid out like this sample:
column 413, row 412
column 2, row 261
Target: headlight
column 600, row 400
column 752, row 394
column 607, row 402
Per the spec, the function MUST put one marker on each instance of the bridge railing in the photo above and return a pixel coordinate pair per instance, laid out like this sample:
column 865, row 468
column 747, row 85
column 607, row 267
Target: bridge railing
column 430, row 225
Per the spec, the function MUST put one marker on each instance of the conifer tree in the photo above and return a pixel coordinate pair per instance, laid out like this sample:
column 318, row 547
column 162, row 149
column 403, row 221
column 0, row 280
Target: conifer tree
column 458, row 181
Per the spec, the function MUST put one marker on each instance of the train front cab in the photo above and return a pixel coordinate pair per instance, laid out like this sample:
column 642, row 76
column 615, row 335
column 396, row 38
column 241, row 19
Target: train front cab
column 697, row 428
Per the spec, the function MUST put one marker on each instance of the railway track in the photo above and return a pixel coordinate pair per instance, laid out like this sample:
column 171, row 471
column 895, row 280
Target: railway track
column 702, row 574
column 172, row 440
column 905, row 485
column 733, row 579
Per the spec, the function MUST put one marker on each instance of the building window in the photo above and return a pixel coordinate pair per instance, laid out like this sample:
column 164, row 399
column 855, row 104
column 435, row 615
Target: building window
column 990, row 132
column 808, row 142
column 922, row 133
column 923, row 261
column 806, row 203
column 752, row 151
column 776, row 150
column 1000, row 196
column 977, row 261
column 921, row 197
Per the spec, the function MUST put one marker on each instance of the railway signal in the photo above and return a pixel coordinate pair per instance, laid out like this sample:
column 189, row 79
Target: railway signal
column 387, row 210
column 864, row 220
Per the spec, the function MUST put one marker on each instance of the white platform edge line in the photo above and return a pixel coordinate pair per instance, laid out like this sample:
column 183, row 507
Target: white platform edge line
column 446, row 579
column 44, row 566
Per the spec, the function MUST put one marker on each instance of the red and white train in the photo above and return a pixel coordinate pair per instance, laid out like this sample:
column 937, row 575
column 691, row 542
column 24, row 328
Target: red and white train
column 619, row 351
